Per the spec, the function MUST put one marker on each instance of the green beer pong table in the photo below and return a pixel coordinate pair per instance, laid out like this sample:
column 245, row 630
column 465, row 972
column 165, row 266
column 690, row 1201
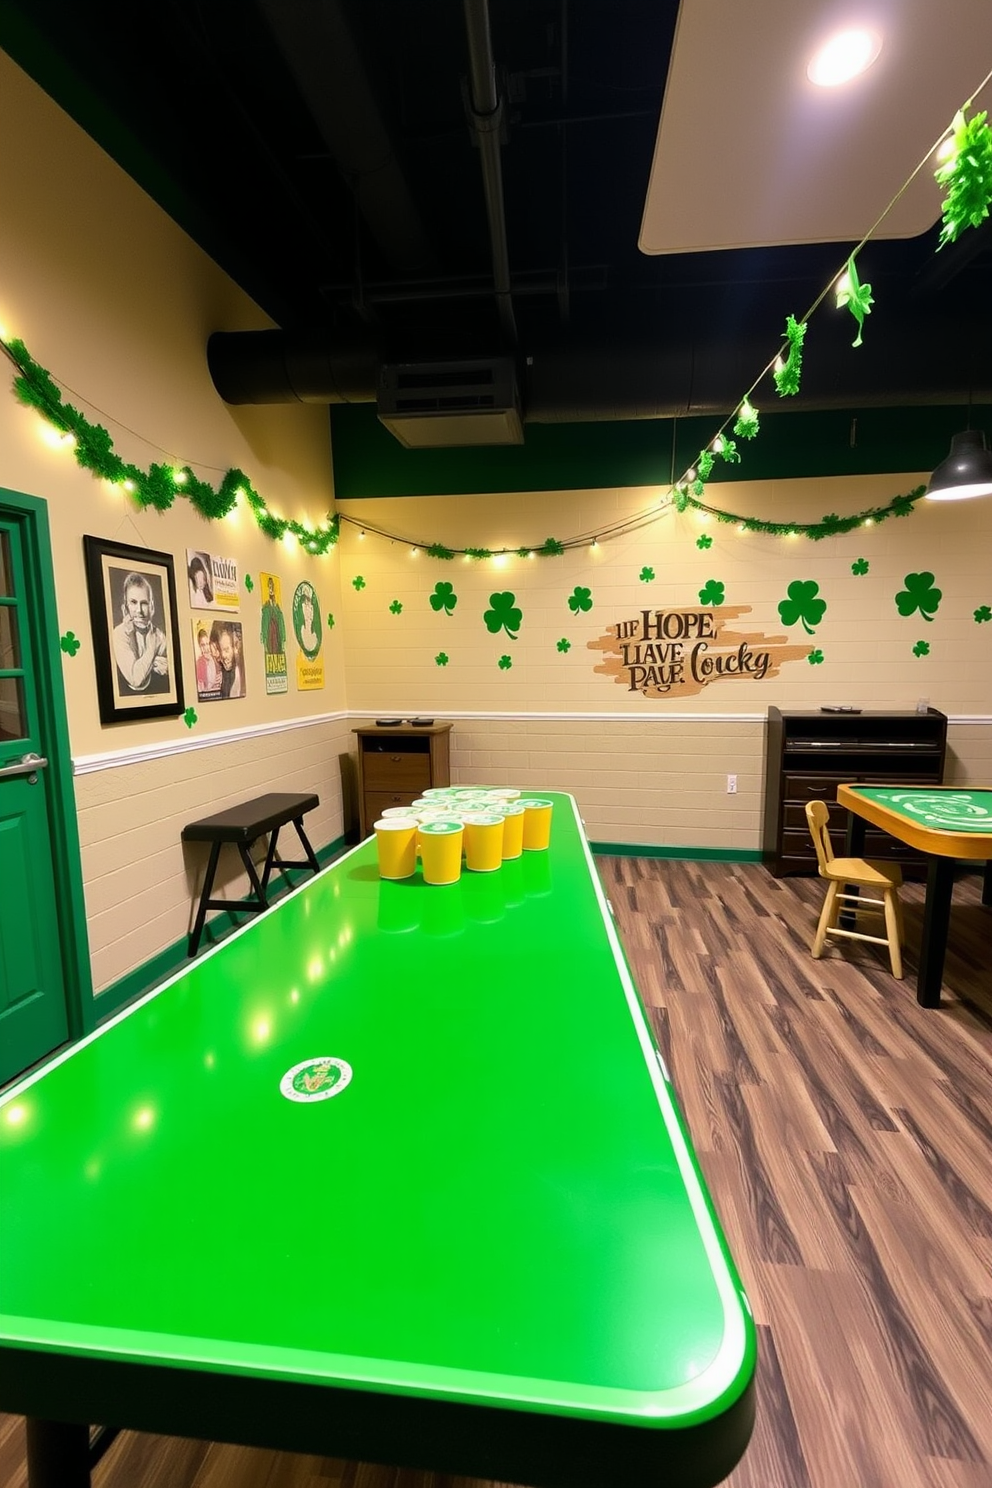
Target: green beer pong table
column 946, row 823
column 393, row 1173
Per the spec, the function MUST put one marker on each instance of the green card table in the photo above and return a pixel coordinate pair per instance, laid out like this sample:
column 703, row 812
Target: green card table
column 947, row 823
column 395, row 1173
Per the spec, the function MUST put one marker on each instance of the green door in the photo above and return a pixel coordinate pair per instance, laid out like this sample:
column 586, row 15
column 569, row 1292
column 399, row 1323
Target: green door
column 34, row 1015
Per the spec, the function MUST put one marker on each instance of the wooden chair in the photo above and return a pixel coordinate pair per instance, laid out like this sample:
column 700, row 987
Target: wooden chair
column 883, row 877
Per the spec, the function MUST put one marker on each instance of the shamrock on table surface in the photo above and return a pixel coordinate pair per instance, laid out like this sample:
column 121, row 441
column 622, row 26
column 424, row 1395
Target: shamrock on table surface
column 919, row 594
column 564, row 645
column 70, row 643
column 859, row 566
column 358, row 582
column 580, row 599
column 815, row 657
column 444, row 598
column 504, row 615
column 396, row 608
column 249, row 584
column 646, row 575
column 712, row 593
column 441, row 659
column 505, row 663
column 189, row 717
column 984, row 612
column 330, row 622
column 922, row 648
column 803, row 604
column 704, row 541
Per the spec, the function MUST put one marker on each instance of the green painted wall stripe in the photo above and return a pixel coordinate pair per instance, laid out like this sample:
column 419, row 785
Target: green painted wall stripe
column 368, row 461
column 174, row 957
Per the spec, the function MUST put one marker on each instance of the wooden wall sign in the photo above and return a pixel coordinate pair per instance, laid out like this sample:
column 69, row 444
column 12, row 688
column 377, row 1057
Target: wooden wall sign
column 677, row 653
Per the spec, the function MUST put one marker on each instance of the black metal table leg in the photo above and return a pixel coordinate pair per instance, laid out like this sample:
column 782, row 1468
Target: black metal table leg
column 936, row 923
column 987, row 883
column 201, row 913
column 58, row 1454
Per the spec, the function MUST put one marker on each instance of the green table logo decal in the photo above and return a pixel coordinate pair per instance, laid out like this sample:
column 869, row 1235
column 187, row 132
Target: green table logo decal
column 954, row 811
column 315, row 1079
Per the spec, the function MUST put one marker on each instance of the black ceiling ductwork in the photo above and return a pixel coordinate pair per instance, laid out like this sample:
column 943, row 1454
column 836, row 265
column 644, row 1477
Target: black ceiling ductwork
column 485, row 112
column 316, row 43
column 570, row 383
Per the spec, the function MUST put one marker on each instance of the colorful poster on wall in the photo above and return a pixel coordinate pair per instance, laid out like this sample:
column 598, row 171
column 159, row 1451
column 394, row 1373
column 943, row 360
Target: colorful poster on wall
column 213, row 581
column 306, row 628
column 273, row 634
column 220, row 659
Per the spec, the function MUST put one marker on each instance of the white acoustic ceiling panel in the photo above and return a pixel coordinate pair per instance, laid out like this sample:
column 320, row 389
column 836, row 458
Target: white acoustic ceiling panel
column 750, row 153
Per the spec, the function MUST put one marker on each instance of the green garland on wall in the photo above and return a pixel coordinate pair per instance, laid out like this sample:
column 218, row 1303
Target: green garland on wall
column 828, row 526
column 159, row 485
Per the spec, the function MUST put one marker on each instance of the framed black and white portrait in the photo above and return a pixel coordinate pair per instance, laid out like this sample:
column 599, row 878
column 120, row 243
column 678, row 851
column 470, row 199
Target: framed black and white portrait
column 132, row 595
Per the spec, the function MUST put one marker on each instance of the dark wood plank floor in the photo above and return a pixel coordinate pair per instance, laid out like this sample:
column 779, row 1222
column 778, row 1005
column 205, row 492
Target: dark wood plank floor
column 846, row 1135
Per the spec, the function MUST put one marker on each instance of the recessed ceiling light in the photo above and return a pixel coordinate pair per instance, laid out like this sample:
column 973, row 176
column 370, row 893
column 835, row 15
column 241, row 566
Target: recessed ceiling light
column 845, row 56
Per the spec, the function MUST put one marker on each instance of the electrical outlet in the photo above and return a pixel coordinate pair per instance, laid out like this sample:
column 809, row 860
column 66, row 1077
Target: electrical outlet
column 731, row 785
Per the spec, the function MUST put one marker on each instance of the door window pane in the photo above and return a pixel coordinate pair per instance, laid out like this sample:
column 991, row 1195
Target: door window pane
column 6, row 572
column 10, row 651
column 13, row 719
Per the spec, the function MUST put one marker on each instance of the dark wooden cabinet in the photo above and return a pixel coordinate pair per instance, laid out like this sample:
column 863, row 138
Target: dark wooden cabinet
column 809, row 754
column 396, row 765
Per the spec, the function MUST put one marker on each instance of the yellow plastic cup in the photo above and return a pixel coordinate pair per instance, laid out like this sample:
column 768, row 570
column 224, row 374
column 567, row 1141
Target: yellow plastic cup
column 441, row 850
column 483, row 841
column 537, row 824
column 513, row 829
column 391, row 811
column 499, row 793
column 396, row 842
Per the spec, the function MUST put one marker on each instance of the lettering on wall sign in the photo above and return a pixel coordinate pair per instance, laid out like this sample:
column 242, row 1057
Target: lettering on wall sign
column 679, row 652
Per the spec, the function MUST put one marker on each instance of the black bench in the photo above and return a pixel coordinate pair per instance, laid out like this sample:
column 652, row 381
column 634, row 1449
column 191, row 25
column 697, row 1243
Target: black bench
column 243, row 825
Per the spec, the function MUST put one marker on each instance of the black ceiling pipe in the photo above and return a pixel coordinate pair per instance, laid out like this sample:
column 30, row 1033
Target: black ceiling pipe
column 485, row 111
column 316, row 41
column 292, row 367
column 575, row 383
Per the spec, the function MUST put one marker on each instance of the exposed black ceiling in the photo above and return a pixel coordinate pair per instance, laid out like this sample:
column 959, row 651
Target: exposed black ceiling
column 321, row 151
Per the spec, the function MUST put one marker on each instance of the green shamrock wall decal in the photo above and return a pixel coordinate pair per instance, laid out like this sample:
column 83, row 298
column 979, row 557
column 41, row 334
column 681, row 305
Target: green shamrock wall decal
column 358, row 582
column 396, row 608
column 441, row 659
column 70, row 643
column 859, row 566
column 189, row 717
column 984, row 612
column 646, row 575
column 713, row 592
column 564, row 645
column 815, row 657
column 704, row 542
column 505, row 663
column 249, row 585
column 580, row 599
column 802, row 604
column 504, row 615
column 919, row 594
column 444, row 598
column 922, row 648
column 330, row 622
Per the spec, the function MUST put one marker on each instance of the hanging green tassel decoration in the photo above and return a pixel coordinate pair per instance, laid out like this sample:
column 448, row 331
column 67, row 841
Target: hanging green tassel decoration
column 727, row 450
column 746, row 426
column 787, row 376
column 967, row 176
column 856, row 296
column 704, row 465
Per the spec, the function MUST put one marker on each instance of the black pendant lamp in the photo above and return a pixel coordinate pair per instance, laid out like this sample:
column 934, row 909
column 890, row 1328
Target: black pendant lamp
column 967, row 471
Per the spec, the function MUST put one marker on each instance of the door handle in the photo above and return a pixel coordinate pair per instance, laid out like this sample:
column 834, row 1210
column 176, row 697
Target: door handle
column 28, row 764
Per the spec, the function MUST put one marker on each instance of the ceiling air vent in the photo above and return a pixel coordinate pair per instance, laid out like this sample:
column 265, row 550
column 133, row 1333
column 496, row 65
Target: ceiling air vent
column 439, row 405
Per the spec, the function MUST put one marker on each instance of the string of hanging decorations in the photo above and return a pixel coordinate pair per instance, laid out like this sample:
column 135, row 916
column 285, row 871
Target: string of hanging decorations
column 964, row 171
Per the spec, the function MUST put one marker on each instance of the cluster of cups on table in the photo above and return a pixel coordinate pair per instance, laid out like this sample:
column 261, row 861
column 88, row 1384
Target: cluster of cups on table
column 449, row 823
